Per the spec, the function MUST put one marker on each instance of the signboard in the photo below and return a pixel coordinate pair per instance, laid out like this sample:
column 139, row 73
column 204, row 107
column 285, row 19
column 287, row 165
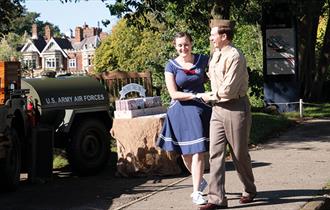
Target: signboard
column 132, row 87
column 280, row 51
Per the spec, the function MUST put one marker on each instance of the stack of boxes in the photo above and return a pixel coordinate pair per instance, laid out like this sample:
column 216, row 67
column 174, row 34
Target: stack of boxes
column 136, row 107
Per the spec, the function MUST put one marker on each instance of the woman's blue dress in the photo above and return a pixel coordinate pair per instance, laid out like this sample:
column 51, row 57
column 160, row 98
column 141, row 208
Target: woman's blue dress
column 186, row 127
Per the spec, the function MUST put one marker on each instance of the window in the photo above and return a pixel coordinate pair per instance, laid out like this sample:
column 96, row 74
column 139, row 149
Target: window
column 30, row 64
column 72, row 63
column 90, row 58
column 50, row 62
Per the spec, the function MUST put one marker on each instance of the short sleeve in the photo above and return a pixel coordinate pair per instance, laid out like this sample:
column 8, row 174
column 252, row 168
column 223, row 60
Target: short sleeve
column 170, row 68
column 205, row 61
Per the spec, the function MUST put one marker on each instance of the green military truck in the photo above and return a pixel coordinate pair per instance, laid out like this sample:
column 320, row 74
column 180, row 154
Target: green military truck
column 38, row 115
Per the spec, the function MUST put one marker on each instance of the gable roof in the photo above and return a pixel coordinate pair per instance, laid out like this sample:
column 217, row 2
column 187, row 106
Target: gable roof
column 39, row 44
column 63, row 43
column 90, row 42
column 60, row 44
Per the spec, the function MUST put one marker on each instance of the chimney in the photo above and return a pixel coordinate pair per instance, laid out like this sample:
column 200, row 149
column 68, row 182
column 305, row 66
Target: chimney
column 34, row 31
column 103, row 35
column 48, row 33
column 78, row 34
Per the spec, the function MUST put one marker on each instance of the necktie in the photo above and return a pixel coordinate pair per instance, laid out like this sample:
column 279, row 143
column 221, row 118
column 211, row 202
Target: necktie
column 216, row 56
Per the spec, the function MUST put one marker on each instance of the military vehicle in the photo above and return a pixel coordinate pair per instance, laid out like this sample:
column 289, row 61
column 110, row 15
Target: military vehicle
column 13, row 125
column 38, row 115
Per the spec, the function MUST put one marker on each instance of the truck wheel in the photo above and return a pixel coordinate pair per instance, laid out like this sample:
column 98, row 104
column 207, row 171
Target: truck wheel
column 10, row 166
column 89, row 147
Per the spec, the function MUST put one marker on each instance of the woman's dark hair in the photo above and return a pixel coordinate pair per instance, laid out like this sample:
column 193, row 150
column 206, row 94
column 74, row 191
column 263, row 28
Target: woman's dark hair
column 182, row 34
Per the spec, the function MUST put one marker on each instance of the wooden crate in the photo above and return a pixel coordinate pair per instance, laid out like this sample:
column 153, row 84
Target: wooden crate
column 9, row 76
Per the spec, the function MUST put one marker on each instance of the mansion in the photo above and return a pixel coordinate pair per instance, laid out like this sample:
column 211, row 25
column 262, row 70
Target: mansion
column 72, row 54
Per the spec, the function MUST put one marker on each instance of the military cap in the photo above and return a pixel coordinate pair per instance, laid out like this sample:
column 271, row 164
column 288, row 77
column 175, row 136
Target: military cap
column 222, row 23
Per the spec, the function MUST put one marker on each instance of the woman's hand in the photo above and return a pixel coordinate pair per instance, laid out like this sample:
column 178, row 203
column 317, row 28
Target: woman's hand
column 208, row 96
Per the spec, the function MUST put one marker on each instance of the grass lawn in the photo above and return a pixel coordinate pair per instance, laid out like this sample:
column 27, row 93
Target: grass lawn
column 312, row 111
column 267, row 125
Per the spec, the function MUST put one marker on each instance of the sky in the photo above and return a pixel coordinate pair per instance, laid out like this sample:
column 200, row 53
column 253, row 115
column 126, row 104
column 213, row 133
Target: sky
column 70, row 15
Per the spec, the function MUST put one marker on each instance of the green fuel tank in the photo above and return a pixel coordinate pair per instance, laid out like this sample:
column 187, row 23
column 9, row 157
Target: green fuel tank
column 57, row 99
column 66, row 92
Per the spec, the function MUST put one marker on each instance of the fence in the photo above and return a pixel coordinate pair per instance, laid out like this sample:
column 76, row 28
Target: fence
column 301, row 105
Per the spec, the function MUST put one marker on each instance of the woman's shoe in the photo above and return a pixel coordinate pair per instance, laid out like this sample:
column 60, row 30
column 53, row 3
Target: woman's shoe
column 201, row 186
column 197, row 198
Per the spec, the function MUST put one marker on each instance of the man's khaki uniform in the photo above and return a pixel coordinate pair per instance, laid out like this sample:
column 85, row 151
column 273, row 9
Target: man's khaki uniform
column 230, row 122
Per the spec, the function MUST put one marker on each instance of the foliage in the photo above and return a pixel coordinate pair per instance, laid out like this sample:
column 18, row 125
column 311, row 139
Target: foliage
column 130, row 49
column 9, row 10
column 247, row 11
column 9, row 46
column 248, row 38
column 321, row 37
column 195, row 14
column 18, row 30
column 310, row 78
column 60, row 159
column 16, row 19
column 193, row 17
column 23, row 24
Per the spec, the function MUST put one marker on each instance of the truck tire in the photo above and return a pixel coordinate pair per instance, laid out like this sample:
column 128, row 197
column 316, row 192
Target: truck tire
column 10, row 167
column 89, row 147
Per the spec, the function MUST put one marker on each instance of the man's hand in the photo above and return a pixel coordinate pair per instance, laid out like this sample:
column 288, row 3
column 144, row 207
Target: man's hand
column 208, row 96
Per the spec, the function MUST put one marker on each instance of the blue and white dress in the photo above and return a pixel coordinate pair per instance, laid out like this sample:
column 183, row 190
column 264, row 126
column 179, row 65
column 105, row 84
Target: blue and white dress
column 186, row 127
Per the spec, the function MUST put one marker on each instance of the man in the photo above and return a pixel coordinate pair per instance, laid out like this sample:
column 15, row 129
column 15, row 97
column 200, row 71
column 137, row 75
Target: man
column 231, row 117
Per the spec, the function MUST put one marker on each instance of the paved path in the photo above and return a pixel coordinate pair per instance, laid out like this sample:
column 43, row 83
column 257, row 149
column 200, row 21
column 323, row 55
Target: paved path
column 289, row 171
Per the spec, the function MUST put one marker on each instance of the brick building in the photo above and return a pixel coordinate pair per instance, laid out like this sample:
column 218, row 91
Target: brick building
column 72, row 54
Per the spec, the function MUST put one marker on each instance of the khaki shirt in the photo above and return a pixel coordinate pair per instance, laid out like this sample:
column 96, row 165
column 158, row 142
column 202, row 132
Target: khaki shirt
column 228, row 74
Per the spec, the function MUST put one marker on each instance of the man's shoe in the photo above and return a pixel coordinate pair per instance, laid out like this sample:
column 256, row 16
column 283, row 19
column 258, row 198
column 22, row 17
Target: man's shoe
column 247, row 199
column 211, row 206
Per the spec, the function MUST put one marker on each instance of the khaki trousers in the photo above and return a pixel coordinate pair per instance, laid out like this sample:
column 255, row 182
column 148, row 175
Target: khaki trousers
column 230, row 123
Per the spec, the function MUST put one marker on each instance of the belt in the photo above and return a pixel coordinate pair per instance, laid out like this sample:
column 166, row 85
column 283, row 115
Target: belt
column 215, row 103
column 241, row 96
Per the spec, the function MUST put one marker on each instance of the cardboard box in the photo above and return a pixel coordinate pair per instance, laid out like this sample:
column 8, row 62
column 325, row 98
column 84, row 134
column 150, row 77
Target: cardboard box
column 127, row 114
column 138, row 103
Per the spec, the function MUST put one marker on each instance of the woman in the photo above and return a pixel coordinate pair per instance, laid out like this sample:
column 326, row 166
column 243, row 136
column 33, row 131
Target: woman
column 186, row 128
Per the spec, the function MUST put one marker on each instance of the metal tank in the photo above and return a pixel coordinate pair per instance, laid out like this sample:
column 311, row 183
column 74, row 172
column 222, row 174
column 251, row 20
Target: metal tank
column 78, row 110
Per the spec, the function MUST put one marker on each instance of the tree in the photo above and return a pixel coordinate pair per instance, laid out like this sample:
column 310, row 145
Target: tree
column 194, row 16
column 309, row 18
column 9, row 10
column 130, row 49
column 323, row 64
column 23, row 24
column 15, row 27
column 9, row 46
